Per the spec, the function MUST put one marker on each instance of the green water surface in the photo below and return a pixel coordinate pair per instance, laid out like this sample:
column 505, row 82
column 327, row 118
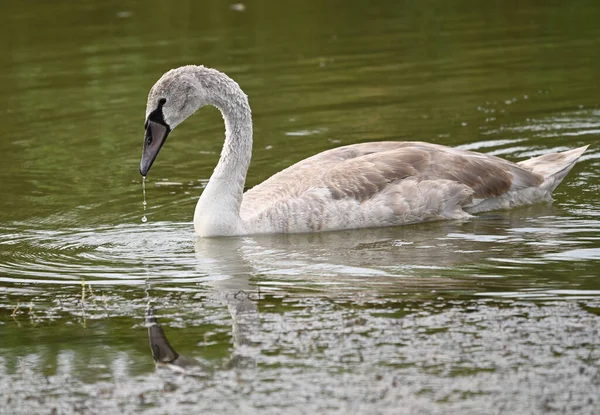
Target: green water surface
column 498, row 314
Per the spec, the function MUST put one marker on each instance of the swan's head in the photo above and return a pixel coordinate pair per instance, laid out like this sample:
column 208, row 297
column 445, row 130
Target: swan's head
column 174, row 97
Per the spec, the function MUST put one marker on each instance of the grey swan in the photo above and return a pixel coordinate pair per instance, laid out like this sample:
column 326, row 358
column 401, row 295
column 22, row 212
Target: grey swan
column 354, row 186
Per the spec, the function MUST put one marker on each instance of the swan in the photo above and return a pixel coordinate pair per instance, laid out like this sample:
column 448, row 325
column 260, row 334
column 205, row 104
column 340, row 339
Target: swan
column 354, row 186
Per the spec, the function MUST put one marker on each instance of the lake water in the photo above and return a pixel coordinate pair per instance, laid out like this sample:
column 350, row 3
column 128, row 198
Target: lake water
column 499, row 314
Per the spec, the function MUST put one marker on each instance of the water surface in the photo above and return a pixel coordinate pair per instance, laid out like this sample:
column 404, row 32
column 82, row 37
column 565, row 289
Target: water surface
column 499, row 314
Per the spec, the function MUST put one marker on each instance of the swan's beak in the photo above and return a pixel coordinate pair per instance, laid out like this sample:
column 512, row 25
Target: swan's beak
column 156, row 134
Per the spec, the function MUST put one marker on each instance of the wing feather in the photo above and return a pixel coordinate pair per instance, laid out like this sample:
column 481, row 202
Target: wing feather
column 362, row 171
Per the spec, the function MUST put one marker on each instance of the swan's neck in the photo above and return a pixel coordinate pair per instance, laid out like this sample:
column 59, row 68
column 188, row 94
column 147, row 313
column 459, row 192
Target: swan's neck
column 218, row 209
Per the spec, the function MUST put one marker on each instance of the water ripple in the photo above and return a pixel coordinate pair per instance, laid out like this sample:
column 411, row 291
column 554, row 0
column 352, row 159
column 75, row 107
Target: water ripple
column 98, row 255
column 512, row 247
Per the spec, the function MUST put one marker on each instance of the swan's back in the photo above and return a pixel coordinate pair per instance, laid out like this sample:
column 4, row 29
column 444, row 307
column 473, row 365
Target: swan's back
column 388, row 183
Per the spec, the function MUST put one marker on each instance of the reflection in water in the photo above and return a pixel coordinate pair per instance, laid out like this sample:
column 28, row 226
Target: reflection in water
column 352, row 321
column 245, row 324
column 162, row 351
column 224, row 259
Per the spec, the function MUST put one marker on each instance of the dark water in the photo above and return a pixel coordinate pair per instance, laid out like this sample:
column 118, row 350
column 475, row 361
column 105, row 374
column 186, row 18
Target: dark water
column 499, row 314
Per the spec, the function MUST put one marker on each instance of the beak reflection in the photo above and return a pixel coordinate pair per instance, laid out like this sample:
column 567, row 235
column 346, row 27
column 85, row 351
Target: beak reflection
column 163, row 353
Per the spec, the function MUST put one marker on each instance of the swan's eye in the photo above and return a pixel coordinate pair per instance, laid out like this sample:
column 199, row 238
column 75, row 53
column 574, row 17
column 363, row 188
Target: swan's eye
column 149, row 139
column 162, row 101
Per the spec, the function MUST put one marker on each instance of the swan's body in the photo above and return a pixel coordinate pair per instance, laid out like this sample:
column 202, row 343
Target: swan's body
column 356, row 186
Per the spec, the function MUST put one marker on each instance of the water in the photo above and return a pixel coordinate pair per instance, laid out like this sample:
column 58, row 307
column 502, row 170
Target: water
column 499, row 314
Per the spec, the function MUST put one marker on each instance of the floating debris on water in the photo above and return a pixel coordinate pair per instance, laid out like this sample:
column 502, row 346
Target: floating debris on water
column 238, row 7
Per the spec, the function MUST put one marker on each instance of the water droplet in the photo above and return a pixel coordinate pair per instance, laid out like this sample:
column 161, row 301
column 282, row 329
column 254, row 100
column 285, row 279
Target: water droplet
column 144, row 219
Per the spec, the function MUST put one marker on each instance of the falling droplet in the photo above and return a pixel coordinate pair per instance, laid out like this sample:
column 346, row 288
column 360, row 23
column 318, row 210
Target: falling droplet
column 144, row 218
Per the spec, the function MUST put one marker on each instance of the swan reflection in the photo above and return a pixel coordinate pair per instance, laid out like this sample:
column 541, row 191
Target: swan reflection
column 164, row 354
column 245, row 322
column 372, row 261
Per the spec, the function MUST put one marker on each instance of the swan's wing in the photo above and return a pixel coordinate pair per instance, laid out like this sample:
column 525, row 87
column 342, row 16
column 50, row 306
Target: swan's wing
column 488, row 176
column 360, row 172
column 308, row 174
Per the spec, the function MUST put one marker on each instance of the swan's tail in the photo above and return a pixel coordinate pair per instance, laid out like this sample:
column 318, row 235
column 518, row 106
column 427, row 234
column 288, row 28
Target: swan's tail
column 554, row 167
